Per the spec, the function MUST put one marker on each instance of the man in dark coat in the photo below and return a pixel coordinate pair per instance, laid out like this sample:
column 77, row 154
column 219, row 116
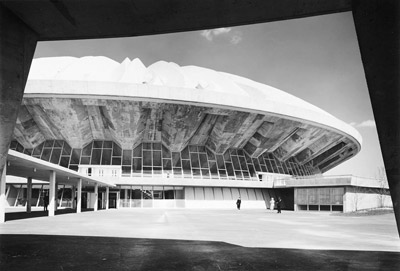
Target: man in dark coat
column 238, row 202
column 45, row 202
column 279, row 205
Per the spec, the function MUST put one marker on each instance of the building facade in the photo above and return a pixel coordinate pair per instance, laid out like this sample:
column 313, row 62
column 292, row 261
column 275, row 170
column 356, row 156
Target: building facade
column 171, row 136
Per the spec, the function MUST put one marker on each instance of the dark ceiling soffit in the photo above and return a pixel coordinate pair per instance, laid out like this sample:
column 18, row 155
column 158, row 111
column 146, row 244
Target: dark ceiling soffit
column 85, row 19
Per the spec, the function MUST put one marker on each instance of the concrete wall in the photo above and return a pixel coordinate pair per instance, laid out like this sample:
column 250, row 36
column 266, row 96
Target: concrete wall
column 216, row 197
column 223, row 197
column 224, row 204
column 361, row 198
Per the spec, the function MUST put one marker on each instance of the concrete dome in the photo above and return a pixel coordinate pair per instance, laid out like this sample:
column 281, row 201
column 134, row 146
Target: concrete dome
column 79, row 100
column 206, row 85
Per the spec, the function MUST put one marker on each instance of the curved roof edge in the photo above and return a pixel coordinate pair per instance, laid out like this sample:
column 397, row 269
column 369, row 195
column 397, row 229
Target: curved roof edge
column 112, row 90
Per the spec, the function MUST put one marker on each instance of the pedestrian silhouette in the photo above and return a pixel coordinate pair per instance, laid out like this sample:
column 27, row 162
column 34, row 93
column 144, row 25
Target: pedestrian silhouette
column 238, row 202
column 45, row 202
column 279, row 205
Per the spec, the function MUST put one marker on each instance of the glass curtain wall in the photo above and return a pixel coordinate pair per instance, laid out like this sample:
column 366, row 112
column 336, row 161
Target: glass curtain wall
column 153, row 159
column 18, row 193
column 148, row 196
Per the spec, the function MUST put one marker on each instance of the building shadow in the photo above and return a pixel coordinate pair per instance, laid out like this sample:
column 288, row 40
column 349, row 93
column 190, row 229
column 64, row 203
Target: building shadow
column 50, row 252
column 32, row 214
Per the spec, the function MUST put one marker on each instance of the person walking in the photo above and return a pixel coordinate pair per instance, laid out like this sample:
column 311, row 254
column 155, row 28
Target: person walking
column 279, row 205
column 238, row 202
column 272, row 204
column 45, row 202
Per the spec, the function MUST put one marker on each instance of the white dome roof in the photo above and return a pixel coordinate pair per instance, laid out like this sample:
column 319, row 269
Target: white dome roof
column 226, row 89
column 103, row 69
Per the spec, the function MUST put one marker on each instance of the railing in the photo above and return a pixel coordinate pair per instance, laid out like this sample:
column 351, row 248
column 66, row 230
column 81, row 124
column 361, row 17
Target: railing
column 144, row 174
column 115, row 172
column 279, row 183
column 318, row 181
column 335, row 180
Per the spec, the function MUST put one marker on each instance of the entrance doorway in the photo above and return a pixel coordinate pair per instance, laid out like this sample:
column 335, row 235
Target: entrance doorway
column 100, row 201
column 112, row 197
column 84, row 199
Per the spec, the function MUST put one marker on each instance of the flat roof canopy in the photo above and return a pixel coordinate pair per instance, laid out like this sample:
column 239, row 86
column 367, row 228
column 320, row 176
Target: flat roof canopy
column 22, row 165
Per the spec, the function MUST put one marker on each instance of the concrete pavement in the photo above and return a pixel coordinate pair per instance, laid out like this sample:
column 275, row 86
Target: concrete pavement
column 188, row 239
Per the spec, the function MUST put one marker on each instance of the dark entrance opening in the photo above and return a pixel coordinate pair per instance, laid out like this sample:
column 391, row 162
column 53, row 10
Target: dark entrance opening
column 112, row 197
column 84, row 200
column 287, row 196
column 100, row 201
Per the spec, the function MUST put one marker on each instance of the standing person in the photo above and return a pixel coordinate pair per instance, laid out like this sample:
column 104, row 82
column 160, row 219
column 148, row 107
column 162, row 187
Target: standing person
column 272, row 204
column 45, row 202
column 238, row 202
column 279, row 205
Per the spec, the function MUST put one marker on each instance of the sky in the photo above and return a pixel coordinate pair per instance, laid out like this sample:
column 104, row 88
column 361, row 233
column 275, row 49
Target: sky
column 316, row 59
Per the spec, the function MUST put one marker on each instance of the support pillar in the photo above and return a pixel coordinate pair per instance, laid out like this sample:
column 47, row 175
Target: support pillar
column 79, row 197
column 52, row 193
column 73, row 193
column 130, row 198
column 3, row 195
column 56, row 196
column 377, row 26
column 29, row 195
column 126, row 197
column 96, row 196
column 17, row 46
column 107, row 197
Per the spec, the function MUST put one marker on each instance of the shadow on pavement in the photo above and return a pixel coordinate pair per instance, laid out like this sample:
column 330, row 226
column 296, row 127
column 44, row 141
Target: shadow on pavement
column 24, row 215
column 48, row 252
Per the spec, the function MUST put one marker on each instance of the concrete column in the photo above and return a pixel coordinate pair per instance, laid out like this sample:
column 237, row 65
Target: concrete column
column 73, row 190
column 56, row 196
column 130, row 197
column 118, row 200
column 3, row 196
column 17, row 46
column 29, row 195
column 52, row 193
column 126, row 196
column 96, row 196
column 107, row 197
column 377, row 27
column 79, row 197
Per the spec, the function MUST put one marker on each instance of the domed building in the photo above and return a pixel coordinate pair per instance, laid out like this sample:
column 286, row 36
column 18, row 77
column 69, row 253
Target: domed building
column 172, row 136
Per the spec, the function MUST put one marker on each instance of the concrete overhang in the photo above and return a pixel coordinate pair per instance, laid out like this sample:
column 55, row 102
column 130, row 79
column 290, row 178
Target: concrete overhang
column 22, row 165
column 85, row 19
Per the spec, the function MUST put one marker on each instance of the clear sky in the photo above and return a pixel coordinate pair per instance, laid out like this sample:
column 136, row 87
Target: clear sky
column 316, row 59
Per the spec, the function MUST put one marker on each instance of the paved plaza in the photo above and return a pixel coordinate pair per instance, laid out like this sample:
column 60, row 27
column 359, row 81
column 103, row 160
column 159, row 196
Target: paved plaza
column 192, row 239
